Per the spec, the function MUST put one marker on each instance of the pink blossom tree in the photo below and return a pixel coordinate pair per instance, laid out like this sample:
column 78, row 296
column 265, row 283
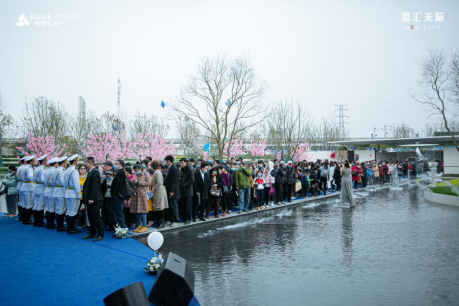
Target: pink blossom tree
column 301, row 152
column 257, row 148
column 39, row 146
column 235, row 149
column 123, row 148
column 100, row 147
column 153, row 145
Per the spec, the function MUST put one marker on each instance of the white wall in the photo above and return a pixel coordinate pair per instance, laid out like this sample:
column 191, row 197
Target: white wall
column 365, row 155
column 451, row 160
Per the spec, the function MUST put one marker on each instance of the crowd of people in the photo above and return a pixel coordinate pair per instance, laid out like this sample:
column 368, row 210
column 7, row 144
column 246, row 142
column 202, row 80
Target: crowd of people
column 151, row 193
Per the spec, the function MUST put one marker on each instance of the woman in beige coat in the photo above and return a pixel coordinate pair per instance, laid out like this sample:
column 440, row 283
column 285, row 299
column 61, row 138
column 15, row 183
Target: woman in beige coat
column 159, row 195
column 375, row 169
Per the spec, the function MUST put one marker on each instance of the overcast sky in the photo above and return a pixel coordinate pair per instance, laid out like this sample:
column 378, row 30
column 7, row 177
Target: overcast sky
column 322, row 53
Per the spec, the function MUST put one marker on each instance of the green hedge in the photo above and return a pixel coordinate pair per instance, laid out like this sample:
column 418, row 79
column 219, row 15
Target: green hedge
column 447, row 190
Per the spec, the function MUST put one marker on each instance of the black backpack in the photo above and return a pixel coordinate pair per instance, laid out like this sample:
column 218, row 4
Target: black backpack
column 127, row 190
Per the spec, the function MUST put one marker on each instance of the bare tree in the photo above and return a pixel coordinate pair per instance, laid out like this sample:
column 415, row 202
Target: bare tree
column 143, row 124
column 401, row 130
column 6, row 122
column 191, row 137
column 81, row 128
column 45, row 117
column 111, row 124
column 288, row 124
column 324, row 131
column 438, row 127
column 223, row 99
column 440, row 82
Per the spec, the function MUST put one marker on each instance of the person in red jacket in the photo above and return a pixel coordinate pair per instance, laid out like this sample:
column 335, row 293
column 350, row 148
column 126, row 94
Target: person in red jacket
column 356, row 171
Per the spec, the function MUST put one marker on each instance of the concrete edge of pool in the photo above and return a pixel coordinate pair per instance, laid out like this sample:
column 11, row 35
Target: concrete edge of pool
column 235, row 214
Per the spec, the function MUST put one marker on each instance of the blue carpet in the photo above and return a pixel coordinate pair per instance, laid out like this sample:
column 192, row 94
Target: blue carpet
column 45, row 267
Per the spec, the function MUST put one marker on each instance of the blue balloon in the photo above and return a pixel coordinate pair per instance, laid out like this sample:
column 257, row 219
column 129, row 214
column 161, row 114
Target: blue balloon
column 163, row 105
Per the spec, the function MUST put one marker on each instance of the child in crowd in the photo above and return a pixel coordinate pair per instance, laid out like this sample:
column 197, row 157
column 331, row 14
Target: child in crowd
column 305, row 183
column 258, row 184
column 314, row 182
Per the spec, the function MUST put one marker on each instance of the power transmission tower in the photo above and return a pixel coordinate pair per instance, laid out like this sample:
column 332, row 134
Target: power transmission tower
column 119, row 94
column 341, row 116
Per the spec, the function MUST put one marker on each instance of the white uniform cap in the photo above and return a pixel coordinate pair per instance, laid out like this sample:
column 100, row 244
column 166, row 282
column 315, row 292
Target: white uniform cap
column 42, row 157
column 23, row 158
column 72, row 158
column 29, row 158
column 61, row 159
column 52, row 160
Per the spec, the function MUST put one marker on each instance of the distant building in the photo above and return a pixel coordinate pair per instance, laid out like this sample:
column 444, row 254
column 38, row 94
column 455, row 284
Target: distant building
column 82, row 109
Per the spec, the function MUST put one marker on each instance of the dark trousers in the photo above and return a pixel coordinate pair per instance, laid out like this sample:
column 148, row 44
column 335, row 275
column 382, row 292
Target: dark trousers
column 95, row 218
column 198, row 207
column 305, row 189
column 288, row 190
column 226, row 202
column 105, row 213
column 12, row 203
column 115, row 206
column 268, row 198
column 338, row 184
column 212, row 202
column 187, row 203
column 280, row 192
column 364, row 181
column 173, row 210
column 323, row 184
column 260, row 198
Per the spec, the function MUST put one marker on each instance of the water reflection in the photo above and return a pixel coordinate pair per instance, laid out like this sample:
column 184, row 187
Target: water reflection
column 347, row 236
column 393, row 248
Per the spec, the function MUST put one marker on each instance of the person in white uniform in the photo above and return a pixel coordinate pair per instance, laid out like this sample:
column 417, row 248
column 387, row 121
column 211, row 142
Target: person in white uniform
column 49, row 189
column 19, row 188
column 72, row 193
column 39, row 192
column 59, row 193
column 28, row 186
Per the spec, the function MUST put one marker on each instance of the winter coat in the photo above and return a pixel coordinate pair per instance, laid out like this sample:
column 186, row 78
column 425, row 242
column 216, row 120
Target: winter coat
column 10, row 182
column 139, row 203
column 186, row 181
column 290, row 175
column 280, row 176
column 375, row 170
column 242, row 178
column 159, row 191
column 201, row 185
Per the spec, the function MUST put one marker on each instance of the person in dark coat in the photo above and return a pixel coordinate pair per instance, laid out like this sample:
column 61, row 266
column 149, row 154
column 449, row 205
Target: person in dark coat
column 115, row 188
column 186, row 181
column 337, row 177
column 279, row 180
column 216, row 184
column 173, row 190
column 201, row 187
column 289, row 181
column 93, row 200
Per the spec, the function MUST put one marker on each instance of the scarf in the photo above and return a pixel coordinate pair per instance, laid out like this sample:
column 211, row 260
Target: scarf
column 214, row 178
